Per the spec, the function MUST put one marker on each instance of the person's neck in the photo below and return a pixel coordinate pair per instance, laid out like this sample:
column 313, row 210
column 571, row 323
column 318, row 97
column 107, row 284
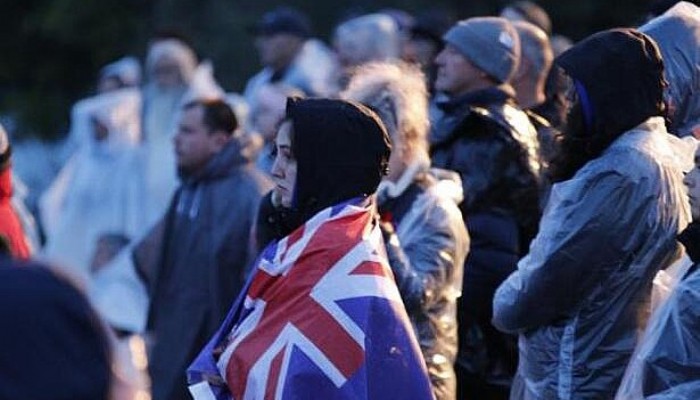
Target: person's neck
column 478, row 86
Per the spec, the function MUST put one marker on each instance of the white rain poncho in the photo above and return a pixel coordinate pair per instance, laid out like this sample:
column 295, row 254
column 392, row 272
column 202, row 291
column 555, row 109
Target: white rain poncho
column 160, row 110
column 100, row 189
column 677, row 32
column 576, row 297
column 666, row 363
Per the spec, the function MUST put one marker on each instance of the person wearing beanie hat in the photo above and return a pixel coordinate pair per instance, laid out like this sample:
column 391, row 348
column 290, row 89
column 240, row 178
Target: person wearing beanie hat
column 610, row 225
column 491, row 44
column 10, row 224
column 484, row 136
column 319, row 318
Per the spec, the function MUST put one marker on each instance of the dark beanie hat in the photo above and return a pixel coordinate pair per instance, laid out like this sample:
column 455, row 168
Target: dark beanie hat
column 341, row 148
column 619, row 79
column 53, row 345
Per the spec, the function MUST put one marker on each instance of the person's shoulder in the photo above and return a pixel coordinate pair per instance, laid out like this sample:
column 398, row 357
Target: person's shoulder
column 247, row 180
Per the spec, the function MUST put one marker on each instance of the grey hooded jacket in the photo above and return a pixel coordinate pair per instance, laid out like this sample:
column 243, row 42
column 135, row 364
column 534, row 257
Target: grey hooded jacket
column 575, row 298
column 193, row 263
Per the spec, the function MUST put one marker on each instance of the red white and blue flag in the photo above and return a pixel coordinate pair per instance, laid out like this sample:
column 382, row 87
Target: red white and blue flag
column 321, row 318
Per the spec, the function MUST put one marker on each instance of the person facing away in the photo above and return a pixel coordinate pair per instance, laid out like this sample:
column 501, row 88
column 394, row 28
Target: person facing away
column 321, row 317
column 490, row 142
column 193, row 260
column 609, row 226
column 423, row 229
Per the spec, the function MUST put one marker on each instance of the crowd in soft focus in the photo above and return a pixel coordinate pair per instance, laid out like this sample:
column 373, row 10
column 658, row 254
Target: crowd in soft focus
column 533, row 202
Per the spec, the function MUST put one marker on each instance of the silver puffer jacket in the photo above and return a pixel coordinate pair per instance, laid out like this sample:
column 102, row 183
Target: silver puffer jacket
column 576, row 297
column 427, row 256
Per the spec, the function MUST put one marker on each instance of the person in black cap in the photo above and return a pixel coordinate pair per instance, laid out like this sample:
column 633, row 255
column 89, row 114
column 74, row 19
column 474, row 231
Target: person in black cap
column 610, row 225
column 289, row 55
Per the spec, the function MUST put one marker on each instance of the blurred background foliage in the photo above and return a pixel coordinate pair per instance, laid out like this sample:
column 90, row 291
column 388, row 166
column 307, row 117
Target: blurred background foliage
column 53, row 49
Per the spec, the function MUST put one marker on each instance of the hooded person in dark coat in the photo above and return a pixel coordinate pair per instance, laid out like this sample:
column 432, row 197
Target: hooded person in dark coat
column 194, row 261
column 314, row 322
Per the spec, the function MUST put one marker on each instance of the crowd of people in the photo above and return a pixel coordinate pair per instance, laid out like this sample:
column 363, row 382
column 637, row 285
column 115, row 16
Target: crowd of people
column 428, row 208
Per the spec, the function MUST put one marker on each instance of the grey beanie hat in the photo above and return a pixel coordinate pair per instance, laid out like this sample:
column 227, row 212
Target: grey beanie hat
column 490, row 43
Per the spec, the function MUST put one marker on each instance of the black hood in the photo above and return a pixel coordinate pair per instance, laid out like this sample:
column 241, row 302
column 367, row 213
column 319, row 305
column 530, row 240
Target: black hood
column 342, row 150
column 621, row 71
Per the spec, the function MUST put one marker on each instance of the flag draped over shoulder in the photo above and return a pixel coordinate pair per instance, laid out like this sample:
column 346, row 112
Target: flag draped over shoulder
column 321, row 317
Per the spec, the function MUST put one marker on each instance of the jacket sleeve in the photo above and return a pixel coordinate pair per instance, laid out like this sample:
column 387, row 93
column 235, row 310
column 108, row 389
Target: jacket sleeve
column 431, row 261
column 147, row 253
column 673, row 342
column 583, row 238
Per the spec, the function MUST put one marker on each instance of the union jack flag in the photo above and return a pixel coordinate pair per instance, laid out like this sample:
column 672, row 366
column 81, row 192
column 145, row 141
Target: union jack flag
column 320, row 318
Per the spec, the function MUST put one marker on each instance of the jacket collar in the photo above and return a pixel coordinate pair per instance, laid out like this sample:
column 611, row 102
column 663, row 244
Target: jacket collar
column 483, row 97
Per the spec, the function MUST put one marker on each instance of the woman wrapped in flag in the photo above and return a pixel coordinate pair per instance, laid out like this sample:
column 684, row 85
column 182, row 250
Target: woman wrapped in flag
column 321, row 317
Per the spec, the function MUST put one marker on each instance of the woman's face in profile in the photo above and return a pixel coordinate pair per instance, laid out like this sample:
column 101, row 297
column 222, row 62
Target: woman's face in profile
column 284, row 169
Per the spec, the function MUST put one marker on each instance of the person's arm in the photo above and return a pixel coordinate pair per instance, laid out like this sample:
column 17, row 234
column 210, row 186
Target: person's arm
column 583, row 238
column 425, row 266
column 673, row 359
